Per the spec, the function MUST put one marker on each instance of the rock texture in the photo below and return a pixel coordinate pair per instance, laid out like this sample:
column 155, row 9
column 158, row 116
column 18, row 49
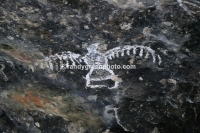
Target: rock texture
column 151, row 98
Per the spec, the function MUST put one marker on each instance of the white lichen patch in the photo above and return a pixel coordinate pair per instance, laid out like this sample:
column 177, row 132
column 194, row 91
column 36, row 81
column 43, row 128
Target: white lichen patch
column 160, row 37
column 2, row 74
column 92, row 98
column 126, row 3
column 125, row 26
column 76, row 127
column 86, row 27
column 4, row 94
column 184, row 7
column 107, row 131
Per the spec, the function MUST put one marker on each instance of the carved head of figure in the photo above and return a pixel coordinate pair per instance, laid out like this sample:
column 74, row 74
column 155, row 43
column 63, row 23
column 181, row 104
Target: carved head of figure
column 95, row 57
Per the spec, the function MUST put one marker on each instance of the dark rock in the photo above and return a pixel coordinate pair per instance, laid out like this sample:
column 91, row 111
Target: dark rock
column 153, row 97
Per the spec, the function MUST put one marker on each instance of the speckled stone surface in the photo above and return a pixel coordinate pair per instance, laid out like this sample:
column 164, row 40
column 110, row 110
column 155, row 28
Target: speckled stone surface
column 151, row 98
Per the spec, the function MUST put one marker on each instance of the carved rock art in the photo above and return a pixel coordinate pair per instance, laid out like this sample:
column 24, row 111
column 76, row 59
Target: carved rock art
column 62, row 61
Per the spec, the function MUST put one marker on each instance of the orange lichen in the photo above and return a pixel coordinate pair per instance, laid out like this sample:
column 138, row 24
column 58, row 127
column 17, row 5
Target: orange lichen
column 16, row 53
column 31, row 101
column 69, row 110
column 20, row 55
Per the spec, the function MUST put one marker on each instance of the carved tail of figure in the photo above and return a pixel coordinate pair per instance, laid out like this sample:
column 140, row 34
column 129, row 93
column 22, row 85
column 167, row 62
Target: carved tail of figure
column 143, row 51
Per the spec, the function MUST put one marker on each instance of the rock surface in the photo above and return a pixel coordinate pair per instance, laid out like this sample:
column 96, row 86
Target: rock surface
column 151, row 98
